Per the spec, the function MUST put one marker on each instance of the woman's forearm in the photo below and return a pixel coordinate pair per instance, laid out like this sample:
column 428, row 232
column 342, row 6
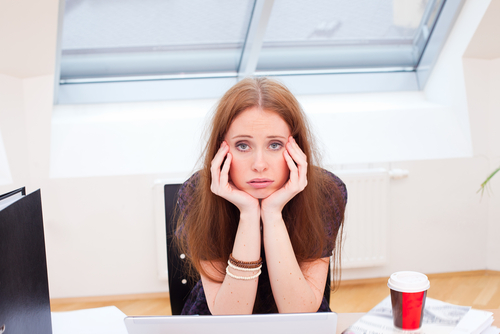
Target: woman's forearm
column 237, row 295
column 294, row 290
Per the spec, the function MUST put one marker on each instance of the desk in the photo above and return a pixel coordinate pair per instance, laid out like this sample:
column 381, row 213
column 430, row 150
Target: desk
column 347, row 319
column 109, row 319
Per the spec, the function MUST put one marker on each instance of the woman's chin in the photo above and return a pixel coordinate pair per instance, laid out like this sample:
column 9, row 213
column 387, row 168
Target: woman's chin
column 260, row 193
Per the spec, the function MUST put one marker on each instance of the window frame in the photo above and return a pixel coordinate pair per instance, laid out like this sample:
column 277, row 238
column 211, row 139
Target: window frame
column 213, row 85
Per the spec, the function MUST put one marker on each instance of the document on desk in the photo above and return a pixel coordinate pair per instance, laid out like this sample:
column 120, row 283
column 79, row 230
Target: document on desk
column 439, row 318
column 102, row 320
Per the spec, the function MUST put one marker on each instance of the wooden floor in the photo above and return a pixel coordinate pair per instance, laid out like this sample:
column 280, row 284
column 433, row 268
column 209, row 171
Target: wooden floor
column 479, row 289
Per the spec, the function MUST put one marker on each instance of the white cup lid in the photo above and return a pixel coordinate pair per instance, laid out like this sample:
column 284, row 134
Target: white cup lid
column 408, row 281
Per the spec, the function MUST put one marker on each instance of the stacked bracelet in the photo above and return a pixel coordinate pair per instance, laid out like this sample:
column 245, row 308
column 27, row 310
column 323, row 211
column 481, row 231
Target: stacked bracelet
column 242, row 268
column 242, row 277
column 245, row 264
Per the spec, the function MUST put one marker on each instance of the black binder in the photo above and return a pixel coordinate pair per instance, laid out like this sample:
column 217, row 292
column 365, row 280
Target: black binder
column 24, row 289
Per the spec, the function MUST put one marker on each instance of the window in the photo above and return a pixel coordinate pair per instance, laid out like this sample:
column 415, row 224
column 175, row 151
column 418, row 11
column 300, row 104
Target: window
column 117, row 40
column 346, row 35
column 131, row 50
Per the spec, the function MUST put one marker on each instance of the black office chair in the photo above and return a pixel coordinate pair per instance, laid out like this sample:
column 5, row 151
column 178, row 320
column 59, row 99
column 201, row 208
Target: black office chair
column 328, row 284
column 178, row 283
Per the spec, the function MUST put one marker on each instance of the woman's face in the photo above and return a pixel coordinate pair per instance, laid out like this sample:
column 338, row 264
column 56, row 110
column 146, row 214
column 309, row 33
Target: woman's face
column 257, row 140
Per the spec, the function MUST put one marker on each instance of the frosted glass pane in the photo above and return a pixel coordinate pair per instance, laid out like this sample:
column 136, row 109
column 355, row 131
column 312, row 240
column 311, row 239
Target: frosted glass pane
column 153, row 23
column 110, row 36
column 343, row 34
column 344, row 20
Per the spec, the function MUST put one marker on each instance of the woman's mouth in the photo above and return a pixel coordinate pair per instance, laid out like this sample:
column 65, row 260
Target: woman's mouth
column 260, row 183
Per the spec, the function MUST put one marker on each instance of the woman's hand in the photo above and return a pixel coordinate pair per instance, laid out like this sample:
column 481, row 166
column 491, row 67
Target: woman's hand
column 297, row 163
column 221, row 186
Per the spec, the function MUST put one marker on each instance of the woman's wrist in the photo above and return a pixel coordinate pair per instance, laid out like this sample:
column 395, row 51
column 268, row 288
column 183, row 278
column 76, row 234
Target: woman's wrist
column 250, row 213
column 270, row 215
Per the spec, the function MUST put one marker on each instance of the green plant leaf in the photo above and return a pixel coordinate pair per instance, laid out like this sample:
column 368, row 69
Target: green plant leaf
column 483, row 185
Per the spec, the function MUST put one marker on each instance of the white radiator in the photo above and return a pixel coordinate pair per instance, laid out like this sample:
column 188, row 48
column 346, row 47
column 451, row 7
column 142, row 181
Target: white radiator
column 366, row 220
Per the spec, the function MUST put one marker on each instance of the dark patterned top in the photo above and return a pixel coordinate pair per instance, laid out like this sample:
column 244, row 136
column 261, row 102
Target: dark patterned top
column 264, row 301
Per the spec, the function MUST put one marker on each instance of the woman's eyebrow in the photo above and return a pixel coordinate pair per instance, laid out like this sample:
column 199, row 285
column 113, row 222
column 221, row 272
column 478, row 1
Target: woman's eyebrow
column 242, row 136
column 269, row 137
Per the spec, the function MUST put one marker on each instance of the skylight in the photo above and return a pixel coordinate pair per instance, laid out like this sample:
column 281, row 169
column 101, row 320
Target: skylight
column 117, row 41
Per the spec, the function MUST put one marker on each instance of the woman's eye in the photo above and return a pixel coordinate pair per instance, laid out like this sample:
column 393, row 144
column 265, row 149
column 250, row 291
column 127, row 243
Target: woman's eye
column 275, row 146
column 242, row 147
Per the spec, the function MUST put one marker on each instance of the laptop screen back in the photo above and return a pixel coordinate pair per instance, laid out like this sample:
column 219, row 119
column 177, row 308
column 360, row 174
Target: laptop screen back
column 298, row 323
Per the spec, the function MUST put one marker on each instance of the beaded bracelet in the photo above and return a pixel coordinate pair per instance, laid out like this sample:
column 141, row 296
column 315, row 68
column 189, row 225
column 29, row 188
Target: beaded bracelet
column 242, row 277
column 242, row 268
column 245, row 264
column 259, row 261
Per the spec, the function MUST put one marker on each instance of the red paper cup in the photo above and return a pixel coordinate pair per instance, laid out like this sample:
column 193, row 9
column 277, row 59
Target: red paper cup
column 408, row 292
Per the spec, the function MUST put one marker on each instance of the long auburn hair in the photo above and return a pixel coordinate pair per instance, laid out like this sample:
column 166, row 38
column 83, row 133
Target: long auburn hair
column 207, row 225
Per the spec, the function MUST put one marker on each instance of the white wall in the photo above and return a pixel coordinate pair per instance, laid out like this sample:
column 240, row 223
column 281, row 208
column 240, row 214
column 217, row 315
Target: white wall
column 166, row 137
column 437, row 221
column 100, row 231
column 494, row 154
column 438, row 205
column 5, row 176
column 127, row 138
column 28, row 37
column 482, row 72
column 13, row 132
column 102, row 241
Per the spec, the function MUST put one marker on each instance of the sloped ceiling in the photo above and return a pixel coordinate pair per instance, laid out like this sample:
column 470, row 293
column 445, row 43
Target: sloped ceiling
column 485, row 43
column 28, row 34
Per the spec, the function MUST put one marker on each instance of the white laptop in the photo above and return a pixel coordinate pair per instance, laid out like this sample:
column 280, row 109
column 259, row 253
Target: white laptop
column 295, row 323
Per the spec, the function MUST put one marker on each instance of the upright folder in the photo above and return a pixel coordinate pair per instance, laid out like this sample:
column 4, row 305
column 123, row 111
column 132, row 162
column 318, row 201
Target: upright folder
column 24, row 290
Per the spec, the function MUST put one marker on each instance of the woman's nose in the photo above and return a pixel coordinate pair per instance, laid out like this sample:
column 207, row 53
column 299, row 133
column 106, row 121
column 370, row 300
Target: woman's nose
column 259, row 163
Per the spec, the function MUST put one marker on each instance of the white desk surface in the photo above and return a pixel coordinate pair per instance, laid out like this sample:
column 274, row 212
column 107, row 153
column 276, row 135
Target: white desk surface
column 105, row 320
column 347, row 319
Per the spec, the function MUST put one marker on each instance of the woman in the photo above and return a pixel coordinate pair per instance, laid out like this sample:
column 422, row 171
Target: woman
column 260, row 220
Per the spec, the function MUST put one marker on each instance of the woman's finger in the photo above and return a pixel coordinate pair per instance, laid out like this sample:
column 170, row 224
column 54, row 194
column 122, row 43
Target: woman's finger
column 300, row 159
column 296, row 152
column 294, row 173
column 224, row 173
column 215, row 168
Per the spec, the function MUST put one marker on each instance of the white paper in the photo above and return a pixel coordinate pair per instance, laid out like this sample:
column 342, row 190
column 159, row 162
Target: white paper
column 439, row 318
column 474, row 322
column 492, row 330
column 103, row 320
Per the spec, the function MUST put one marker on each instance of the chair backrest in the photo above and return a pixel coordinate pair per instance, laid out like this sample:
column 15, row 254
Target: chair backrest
column 178, row 283
column 328, row 285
